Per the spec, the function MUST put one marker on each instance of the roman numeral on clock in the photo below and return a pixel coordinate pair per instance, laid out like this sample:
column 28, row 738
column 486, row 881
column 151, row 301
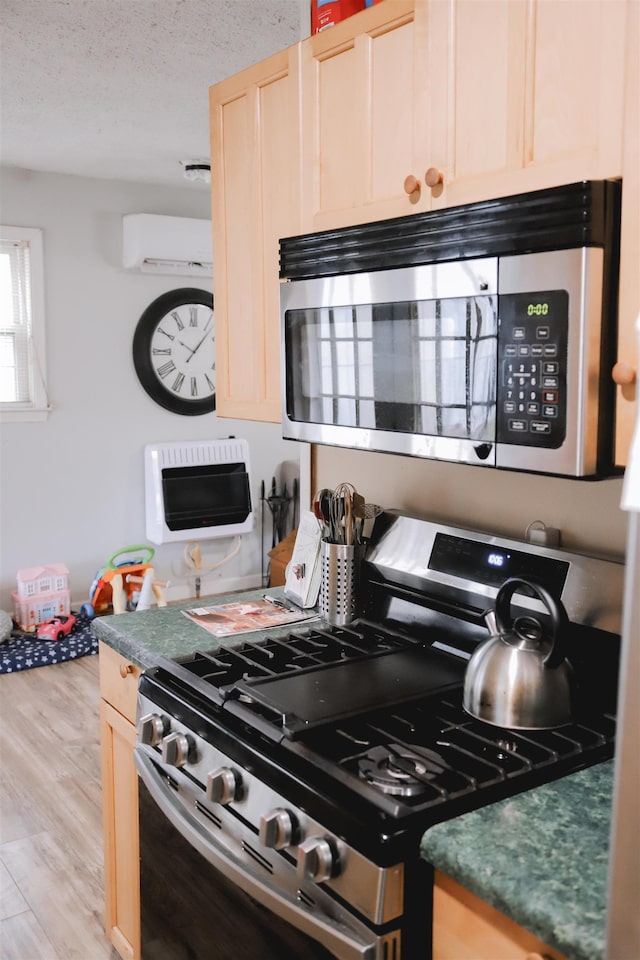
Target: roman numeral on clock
column 166, row 369
column 176, row 317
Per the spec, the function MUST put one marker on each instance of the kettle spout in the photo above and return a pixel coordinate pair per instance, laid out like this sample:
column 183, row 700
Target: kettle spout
column 489, row 617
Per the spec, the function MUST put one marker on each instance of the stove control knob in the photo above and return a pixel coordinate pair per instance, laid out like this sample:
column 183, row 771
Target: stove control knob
column 318, row 859
column 278, row 829
column 178, row 749
column 224, row 785
column 152, row 728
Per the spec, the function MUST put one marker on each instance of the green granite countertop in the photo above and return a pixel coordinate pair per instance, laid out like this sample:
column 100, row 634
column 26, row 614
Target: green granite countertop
column 165, row 632
column 541, row 858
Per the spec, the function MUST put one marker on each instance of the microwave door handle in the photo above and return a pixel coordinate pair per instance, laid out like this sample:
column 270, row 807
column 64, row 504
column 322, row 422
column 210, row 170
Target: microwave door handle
column 332, row 934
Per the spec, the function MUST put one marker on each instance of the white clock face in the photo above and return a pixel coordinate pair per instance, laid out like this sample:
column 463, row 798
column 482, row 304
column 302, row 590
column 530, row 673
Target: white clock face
column 174, row 351
column 182, row 351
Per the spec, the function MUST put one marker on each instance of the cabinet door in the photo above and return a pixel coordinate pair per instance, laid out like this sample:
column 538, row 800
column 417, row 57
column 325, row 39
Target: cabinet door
column 626, row 370
column 525, row 95
column 118, row 681
column 255, row 150
column 121, row 844
column 364, row 129
column 466, row 928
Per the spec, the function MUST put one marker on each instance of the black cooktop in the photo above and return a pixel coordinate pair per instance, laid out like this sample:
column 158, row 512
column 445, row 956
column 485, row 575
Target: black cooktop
column 322, row 676
column 380, row 715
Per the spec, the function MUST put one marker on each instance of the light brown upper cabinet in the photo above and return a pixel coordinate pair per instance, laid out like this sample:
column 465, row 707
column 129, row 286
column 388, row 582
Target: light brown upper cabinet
column 418, row 104
column 255, row 149
column 364, row 85
column 626, row 370
column 530, row 95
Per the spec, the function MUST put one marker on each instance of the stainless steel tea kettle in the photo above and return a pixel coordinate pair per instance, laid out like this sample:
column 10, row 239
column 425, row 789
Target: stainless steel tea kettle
column 520, row 677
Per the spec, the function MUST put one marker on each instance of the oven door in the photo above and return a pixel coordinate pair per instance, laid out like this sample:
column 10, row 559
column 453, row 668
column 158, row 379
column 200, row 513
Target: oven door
column 402, row 361
column 208, row 890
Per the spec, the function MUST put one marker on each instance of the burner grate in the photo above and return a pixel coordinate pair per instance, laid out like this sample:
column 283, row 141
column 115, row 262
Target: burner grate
column 379, row 715
column 278, row 657
column 432, row 752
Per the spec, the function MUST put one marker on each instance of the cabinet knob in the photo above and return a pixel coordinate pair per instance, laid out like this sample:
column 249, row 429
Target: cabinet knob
column 411, row 184
column 623, row 374
column 433, row 177
column 125, row 669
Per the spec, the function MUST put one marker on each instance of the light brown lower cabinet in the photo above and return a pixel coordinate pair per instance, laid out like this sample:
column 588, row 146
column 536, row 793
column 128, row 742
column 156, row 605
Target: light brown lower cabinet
column 467, row 928
column 118, row 689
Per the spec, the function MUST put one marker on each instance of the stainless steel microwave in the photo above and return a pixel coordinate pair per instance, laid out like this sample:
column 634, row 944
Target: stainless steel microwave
column 482, row 334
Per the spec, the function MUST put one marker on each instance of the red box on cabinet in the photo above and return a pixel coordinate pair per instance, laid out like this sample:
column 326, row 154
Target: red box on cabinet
column 326, row 13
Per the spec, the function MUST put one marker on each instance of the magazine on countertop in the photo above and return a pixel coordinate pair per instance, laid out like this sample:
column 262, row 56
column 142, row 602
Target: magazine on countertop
column 247, row 616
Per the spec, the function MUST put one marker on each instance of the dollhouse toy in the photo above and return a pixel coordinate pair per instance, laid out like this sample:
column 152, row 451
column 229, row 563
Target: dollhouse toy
column 43, row 592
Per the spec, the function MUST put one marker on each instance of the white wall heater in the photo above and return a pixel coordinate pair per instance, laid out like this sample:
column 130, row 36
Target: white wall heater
column 198, row 490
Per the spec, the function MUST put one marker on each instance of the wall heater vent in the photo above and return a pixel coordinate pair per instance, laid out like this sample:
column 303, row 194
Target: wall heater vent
column 198, row 490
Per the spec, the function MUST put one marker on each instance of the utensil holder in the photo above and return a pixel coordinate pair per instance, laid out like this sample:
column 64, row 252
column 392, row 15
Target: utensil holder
column 340, row 574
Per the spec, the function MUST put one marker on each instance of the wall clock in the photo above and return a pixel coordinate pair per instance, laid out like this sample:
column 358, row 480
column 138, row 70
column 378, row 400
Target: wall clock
column 174, row 351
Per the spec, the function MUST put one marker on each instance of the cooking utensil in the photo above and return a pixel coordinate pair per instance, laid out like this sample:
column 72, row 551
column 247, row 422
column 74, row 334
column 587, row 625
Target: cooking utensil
column 520, row 677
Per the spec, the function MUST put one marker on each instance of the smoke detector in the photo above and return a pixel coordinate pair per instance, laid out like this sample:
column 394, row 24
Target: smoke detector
column 197, row 170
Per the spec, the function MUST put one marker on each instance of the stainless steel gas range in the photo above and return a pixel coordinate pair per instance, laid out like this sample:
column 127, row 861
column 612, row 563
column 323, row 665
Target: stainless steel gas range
column 286, row 782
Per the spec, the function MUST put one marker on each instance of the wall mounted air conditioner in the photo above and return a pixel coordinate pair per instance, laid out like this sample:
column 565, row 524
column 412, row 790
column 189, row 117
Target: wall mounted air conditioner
column 173, row 245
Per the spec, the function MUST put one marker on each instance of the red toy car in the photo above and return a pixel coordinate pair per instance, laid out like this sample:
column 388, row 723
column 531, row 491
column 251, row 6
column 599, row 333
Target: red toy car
column 57, row 628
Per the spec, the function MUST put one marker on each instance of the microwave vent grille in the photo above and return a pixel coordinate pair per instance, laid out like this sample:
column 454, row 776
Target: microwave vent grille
column 583, row 214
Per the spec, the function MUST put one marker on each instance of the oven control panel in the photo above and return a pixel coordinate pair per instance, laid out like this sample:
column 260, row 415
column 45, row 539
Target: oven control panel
column 532, row 368
column 233, row 797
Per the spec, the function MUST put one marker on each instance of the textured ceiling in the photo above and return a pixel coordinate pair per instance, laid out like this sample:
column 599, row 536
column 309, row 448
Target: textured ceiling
column 118, row 89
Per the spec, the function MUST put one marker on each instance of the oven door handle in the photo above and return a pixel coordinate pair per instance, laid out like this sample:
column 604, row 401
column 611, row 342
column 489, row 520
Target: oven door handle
column 335, row 936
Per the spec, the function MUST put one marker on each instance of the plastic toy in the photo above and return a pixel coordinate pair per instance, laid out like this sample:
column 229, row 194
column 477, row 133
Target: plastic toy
column 43, row 592
column 117, row 584
column 57, row 628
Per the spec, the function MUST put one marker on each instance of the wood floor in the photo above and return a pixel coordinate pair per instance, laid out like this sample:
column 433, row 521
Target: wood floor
column 51, row 885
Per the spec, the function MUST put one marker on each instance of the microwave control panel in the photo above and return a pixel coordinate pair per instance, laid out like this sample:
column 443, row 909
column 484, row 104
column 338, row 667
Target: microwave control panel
column 532, row 368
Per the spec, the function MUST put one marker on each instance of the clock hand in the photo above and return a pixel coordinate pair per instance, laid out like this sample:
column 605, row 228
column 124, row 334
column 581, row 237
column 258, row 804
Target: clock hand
column 204, row 337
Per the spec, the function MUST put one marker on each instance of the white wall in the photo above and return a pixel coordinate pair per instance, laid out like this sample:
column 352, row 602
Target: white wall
column 72, row 487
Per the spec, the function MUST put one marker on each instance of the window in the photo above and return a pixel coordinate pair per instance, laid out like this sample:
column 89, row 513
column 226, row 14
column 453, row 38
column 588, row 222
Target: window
column 23, row 394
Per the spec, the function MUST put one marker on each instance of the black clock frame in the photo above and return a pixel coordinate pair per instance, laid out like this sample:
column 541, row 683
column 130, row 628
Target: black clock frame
column 145, row 329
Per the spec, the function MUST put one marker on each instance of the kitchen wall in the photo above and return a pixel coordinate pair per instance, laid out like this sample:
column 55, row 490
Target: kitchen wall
column 587, row 513
column 72, row 487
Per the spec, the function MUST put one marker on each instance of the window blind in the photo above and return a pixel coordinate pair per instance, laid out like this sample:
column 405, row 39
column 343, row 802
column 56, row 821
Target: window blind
column 15, row 322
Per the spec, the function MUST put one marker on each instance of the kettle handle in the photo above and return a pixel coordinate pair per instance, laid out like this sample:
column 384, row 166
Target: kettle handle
column 559, row 618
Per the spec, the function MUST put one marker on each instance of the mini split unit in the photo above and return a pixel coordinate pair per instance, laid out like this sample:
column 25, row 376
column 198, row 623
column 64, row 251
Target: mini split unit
column 172, row 245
